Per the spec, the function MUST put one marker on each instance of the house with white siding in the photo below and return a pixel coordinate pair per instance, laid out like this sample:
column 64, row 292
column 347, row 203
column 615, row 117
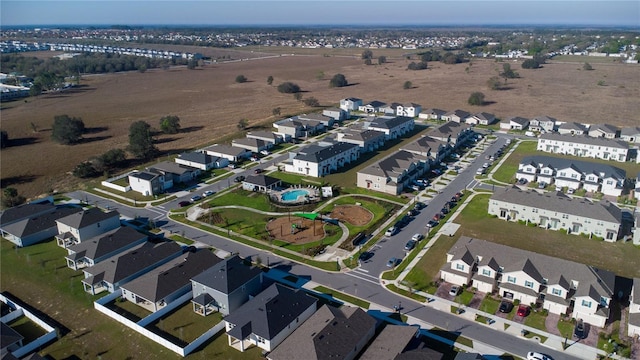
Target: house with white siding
column 452, row 133
column 201, row 160
column 630, row 135
column 367, row 140
column 392, row 126
column 102, row 247
column 557, row 211
column 85, row 224
column 634, row 309
column 177, row 172
column 394, row 173
column 390, row 109
column 319, row 159
column 252, row 144
column 455, row 116
column 433, row 149
column 296, row 128
column 572, row 174
column 584, row 146
column 432, row 114
column 572, row 128
column 372, row 107
column 327, row 121
column 231, row 153
column 336, row 114
column 408, row 109
column 268, row 136
column 350, row 104
column 604, row 130
column 560, row 286
column 542, row 123
column 149, row 182
column 515, row 123
column 481, row 118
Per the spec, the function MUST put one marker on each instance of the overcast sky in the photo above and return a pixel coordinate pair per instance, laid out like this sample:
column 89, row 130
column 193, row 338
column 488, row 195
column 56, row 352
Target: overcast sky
column 319, row 12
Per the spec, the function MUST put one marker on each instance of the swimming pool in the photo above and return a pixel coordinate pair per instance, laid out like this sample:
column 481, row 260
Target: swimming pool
column 293, row 195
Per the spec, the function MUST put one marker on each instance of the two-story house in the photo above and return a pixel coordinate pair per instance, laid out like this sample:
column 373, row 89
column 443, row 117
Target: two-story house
column 584, row 146
column 150, row 182
column 367, row 140
column 572, row 128
column 319, row 160
column 372, row 107
column 394, row 173
column 452, row 133
column 634, row 309
column 102, row 247
column 350, row 104
column 409, row 110
column 392, row 126
column 542, row 123
column 85, row 224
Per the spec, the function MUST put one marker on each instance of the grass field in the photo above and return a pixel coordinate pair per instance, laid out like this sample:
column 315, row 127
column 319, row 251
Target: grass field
column 210, row 103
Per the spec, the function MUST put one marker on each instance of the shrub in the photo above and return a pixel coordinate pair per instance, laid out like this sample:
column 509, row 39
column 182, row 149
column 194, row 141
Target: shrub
column 530, row 64
column 476, row 99
column 417, row 66
column 288, row 88
column 241, row 79
column 338, row 80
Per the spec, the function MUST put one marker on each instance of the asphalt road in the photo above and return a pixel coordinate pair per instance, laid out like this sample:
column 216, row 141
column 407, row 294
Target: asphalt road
column 363, row 283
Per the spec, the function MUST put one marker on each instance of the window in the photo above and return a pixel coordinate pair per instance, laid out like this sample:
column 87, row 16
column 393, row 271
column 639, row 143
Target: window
column 535, row 211
column 586, row 303
column 565, row 216
column 486, row 272
column 556, row 292
column 528, row 284
column 511, row 279
column 562, row 173
column 460, row 267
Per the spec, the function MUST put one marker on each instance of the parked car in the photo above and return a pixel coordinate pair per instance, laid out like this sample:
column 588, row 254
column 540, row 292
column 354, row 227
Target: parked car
column 239, row 179
column 417, row 237
column 437, row 217
column 208, row 193
column 184, row 203
column 258, row 171
column 531, row 355
column 432, row 223
column 419, row 205
column 542, row 185
column 195, row 198
column 364, row 256
column 410, row 245
column 393, row 262
column 523, row 310
column 522, row 181
column 444, row 210
column 265, row 152
column 580, row 330
column 455, row 289
column 571, row 191
column 506, row 306
column 391, row 231
column 412, row 212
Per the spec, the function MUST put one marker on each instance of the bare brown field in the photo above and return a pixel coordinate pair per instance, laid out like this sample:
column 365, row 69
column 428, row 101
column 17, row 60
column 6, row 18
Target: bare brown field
column 210, row 103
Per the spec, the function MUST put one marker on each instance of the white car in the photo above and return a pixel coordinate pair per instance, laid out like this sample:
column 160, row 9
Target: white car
column 265, row 152
column 531, row 355
column 208, row 193
column 391, row 231
column 417, row 237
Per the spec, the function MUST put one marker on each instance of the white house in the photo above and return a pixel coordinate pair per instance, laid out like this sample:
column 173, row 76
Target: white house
column 201, row 160
column 481, row 118
column 392, row 126
column 367, row 140
column 456, row 116
column 583, row 146
column 515, row 123
column 85, row 224
column 604, row 130
column 372, row 107
column 542, row 123
column 408, row 109
column 572, row 128
column 350, row 104
column 231, row 153
column 631, row 135
column 318, row 161
column 432, row 114
column 634, row 309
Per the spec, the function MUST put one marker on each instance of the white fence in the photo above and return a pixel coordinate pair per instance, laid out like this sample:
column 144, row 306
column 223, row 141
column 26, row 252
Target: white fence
column 139, row 326
column 109, row 182
column 37, row 343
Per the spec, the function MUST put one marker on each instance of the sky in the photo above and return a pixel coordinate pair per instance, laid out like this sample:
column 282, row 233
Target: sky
column 320, row 12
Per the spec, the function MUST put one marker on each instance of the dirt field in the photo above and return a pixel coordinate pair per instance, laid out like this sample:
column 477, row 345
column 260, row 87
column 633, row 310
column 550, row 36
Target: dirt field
column 305, row 232
column 210, row 103
column 353, row 214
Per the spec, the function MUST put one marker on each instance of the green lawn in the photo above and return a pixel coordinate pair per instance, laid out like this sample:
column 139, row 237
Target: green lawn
column 619, row 257
column 536, row 320
column 489, row 305
column 507, row 171
column 239, row 197
column 184, row 324
column 566, row 328
column 464, row 297
column 342, row 296
column 128, row 309
column 427, row 269
column 27, row 328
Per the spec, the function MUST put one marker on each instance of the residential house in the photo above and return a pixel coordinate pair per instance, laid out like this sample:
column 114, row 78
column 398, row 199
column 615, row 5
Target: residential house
column 394, row 173
column 572, row 128
column 225, row 286
column 261, row 183
column 326, row 121
column 372, row 107
column 336, row 114
column 350, row 104
column 636, row 229
column 433, row 149
column 116, row 271
column 85, row 224
column 330, row 333
column 630, row 135
column 409, row 109
column 201, row 160
column 25, row 211
column 481, row 118
column 542, row 123
column 297, row 128
column 24, row 231
column 604, row 130
column 268, row 136
column 560, row 286
column 583, row 146
column 633, row 329
column 268, row 318
column 150, row 182
column 390, row 109
column 168, row 282
column 636, row 193
column 252, row 144
column 455, row 116
column 367, row 140
column 102, row 247
column 178, row 173
column 515, row 123
column 317, row 160
column 452, row 133
column 572, row 174
column 11, row 341
column 231, row 153
column 557, row 211
column 393, row 341
column 392, row 126
column 432, row 114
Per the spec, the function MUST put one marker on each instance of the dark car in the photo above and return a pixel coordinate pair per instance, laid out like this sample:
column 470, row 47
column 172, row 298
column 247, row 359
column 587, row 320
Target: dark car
column 258, row 171
column 437, row 217
column 184, row 203
column 506, row 306
column 366, row 255
column 412, row 212
column 410, row 245
column 419, row 205
column 239, row 179
column 581, row 331
column 432, row 223
column 444, row 210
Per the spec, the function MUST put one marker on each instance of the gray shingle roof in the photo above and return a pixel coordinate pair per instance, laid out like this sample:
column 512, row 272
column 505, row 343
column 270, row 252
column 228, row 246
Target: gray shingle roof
column 197, row 157
column 389, row 122
column 323, row 153
column 459, row 113
column 572, row 126
column 584, row 139
column 518, row 120
column 30, row 226
column 261, row 180
column 172, row 167
column 447, row 129
column 330, row 333
column 24, row 211
column 144, row 175
column 396, row 163
column 170, row 277
column 227, row 275
column 391, row 342
column 107, row 243
column 557, row 201
column 84, row 218
column 585, row 167
column 269, row 312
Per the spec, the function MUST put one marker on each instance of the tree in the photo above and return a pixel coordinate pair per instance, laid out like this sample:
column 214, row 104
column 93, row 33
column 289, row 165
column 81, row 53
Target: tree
column 113, row 158
column 241, row 79
column 320, row 75
column 270, row 80
column 66, row 130
column 417, row 66
column 508, row 73
column 382, row 60
column 35, row 90
column 297, row 96
column 11, row 198
column 476, row 99
column 338, row 80
column 407, row 85
column 85, row 170
column 276, row 111
column 587, row 66
column 367, row 54
column 311, row 101
column 141, row 140
column 4, row 139
column 192, row 64
column 288, row 88
column 367, row 61
column 494, row 83
column 530, row 64
column 242, row 124
column 170, row 124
